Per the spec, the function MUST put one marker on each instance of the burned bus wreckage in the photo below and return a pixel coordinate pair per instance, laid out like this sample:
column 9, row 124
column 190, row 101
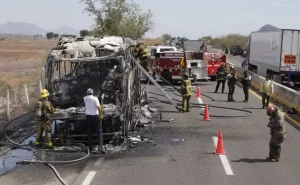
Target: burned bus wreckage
column 105, row 64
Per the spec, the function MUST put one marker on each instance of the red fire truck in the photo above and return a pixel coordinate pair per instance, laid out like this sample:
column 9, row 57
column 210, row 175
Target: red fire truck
column 171, row 64
column 214, row 61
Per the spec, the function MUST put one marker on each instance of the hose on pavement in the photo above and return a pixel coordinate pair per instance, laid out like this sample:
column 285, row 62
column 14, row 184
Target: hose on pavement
column 47, row 163
column 199, row 105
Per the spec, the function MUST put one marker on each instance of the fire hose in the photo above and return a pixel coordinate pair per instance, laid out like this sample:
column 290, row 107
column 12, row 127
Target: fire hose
column 171, row 101
column 173, row 89
column 47, row 163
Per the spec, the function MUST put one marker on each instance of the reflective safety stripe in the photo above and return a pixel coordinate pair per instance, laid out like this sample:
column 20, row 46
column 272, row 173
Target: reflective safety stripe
column 267, row 89
column 187, row 86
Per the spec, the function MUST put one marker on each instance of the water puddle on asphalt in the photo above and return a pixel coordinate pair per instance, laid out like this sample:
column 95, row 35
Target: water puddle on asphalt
column 9, row 161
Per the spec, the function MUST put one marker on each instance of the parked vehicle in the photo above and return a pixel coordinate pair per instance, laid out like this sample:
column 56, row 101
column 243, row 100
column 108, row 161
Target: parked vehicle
column 276, row 53
column 171, row 64
column 214, row 61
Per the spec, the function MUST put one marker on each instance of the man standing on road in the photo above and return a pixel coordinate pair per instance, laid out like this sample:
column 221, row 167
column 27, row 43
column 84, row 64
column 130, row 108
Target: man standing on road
column 44, row 110
column 277, row 131
column 246, row 84
column 267, row 89
column 244, row 63
column 92, row 110
column 221, row 77
column 232, row 79
column 186, row 90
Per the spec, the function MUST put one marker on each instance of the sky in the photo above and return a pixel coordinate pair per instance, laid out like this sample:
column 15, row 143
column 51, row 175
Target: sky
column 189, row 18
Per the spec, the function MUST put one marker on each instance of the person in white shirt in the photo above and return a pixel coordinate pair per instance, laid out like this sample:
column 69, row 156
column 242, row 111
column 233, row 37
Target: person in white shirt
column 267, row 89
column 92, row 109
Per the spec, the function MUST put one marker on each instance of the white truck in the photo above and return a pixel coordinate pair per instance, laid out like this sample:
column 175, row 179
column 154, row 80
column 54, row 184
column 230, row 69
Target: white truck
column 276, row 53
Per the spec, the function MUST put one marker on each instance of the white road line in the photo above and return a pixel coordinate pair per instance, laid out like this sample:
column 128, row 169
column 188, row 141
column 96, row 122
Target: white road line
column 89, row 178
column 201, row 102
column 231, row 63
column 223, row 159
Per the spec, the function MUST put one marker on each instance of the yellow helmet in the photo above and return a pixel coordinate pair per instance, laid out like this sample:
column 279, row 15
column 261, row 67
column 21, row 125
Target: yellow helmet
column 231, row 67
column 44, row 93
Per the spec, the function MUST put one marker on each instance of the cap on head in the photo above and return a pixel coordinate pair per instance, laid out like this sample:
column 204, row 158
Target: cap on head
column 90, row 91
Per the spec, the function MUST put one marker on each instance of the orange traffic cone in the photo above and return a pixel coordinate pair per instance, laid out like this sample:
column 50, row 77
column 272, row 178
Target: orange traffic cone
column 220, row 146
column 206, row 114
column 198, row 92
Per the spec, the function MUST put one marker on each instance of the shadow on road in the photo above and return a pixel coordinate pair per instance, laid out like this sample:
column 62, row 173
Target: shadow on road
column 247, row 160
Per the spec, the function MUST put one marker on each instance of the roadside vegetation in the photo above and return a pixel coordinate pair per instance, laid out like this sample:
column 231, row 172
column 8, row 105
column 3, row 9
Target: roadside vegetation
column 227, row 41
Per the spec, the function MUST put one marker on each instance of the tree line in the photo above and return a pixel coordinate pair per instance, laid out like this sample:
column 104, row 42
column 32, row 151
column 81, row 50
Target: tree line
column 126, row 18
column 51, row 35
column 227, row 41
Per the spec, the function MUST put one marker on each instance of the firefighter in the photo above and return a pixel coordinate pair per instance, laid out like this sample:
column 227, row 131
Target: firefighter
column 277, row 131
column 221, row 77
column 44, row 109
column 246, row 84
column 267, row 89
column 144, row 57
column 186, row 90
column 231, row 69
column 232, row 79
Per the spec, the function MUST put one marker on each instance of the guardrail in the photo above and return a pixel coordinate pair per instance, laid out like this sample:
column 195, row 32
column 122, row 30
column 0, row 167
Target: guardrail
column 282, row 94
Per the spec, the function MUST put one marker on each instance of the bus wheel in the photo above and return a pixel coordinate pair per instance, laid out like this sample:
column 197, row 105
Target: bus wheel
column 213, row 78
column 167, row 76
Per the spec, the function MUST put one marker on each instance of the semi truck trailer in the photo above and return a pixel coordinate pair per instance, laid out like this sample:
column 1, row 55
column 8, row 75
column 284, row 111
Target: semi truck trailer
column 275, row 53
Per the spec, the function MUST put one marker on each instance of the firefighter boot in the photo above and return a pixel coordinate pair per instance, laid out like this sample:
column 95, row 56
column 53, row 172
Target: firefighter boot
column 277, row 151
column 37, row 143
column 229, row 100
column 270, row 153
column 49, row 145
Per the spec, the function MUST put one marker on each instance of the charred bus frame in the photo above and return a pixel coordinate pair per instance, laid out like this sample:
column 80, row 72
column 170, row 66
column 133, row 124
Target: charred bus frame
column 115, row 76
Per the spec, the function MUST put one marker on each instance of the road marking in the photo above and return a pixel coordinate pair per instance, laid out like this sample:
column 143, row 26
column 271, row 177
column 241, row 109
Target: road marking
column 89, row 178
column 287, row 116
column 223, row 159
column 259, row 97
column 201, row 102
column 230, row 63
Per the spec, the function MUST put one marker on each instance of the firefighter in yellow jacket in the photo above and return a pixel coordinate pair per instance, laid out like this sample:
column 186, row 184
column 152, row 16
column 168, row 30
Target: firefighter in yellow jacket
column 186, row 90
column 143, row 55
column 44, row 109
column 267, row 89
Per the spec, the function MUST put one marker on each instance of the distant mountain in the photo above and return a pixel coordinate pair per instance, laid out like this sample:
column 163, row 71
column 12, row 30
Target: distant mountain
column 20, row 28
column 66, row 30
column 269, row 27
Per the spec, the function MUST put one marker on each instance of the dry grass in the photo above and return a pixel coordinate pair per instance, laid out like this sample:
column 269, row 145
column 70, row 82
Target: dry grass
column 21, row 60
column 152, row 42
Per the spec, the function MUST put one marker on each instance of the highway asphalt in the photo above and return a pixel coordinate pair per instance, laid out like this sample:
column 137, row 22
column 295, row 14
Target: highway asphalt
column 184, row 148
column 182, row 151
